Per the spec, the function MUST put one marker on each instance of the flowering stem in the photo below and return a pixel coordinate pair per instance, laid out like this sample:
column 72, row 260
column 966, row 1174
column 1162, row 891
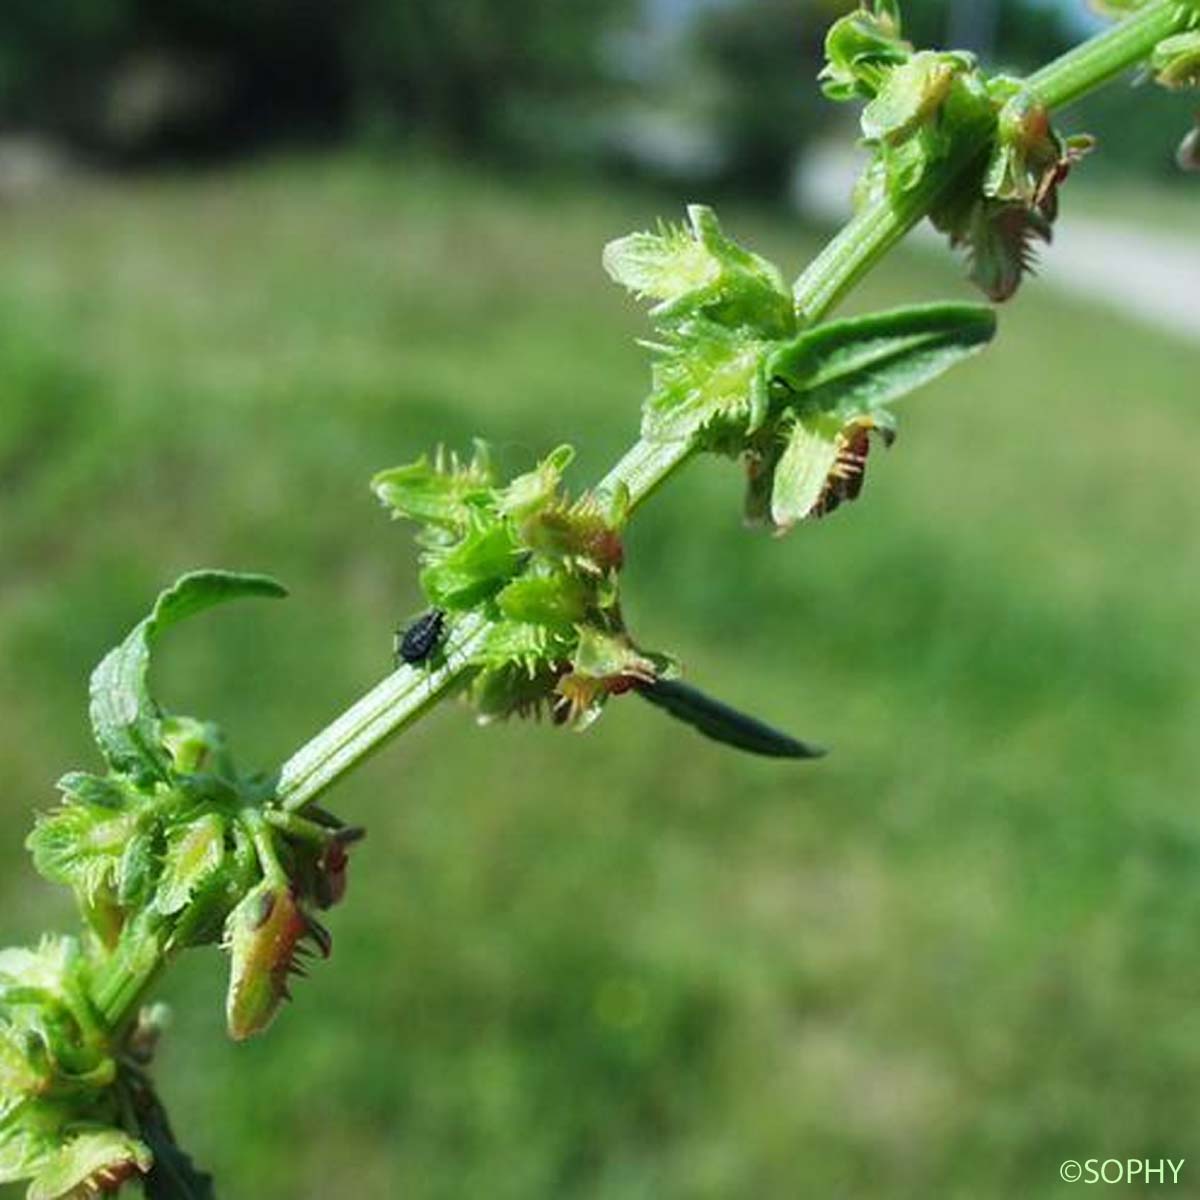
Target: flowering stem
column 407, row 694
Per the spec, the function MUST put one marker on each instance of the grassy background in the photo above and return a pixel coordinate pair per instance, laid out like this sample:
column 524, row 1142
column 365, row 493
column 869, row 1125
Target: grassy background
column 629, row 964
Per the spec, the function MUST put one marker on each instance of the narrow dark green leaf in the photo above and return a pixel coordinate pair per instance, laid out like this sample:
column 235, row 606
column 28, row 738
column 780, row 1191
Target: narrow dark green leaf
column 724, row 724
column 857, row 366
column 173, row 1175
column 125, row 718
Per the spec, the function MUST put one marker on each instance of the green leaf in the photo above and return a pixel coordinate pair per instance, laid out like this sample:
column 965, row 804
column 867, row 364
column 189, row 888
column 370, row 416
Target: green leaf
column 173, row 1175
column 126, row 719
column 724, row 724
column 856, row 367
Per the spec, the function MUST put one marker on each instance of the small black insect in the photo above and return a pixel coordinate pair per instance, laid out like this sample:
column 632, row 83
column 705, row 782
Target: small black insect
column 416, row 643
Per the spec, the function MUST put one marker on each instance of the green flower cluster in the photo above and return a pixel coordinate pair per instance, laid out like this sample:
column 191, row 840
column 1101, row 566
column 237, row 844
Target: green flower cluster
column 734, row 373
column 541, row 568
column 173, row 847
column 60, row 1121
column 922, row 108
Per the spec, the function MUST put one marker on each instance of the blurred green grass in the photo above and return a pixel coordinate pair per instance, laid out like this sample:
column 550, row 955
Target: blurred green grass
column 629, row 964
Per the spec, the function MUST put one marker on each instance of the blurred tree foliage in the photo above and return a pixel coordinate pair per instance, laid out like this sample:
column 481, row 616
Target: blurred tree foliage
column 138, row 79
column 144, row 76
column 477, row 72
column 761, row 58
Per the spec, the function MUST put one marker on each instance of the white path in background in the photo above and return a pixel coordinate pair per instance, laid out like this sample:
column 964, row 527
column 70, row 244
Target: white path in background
column 1154, row 277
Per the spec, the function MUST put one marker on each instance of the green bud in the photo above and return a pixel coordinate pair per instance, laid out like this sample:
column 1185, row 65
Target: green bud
column 805, row 471
column 537, row 489
column 1176, row 61
column 138, row 868
column 576, row 537
column 82, row 845
column 605, row 664
column 263, row 935
column 24, row 1070
column 860, row 49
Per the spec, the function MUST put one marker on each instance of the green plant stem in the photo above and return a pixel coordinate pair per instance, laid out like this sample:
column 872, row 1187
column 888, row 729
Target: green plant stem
column 399, row 700
column 118, row 987
column 408, row 694
column 1094, row 62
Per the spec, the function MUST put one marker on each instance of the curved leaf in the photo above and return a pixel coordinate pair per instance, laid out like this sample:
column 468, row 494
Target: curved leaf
column 125, row 717
column 857, row 366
